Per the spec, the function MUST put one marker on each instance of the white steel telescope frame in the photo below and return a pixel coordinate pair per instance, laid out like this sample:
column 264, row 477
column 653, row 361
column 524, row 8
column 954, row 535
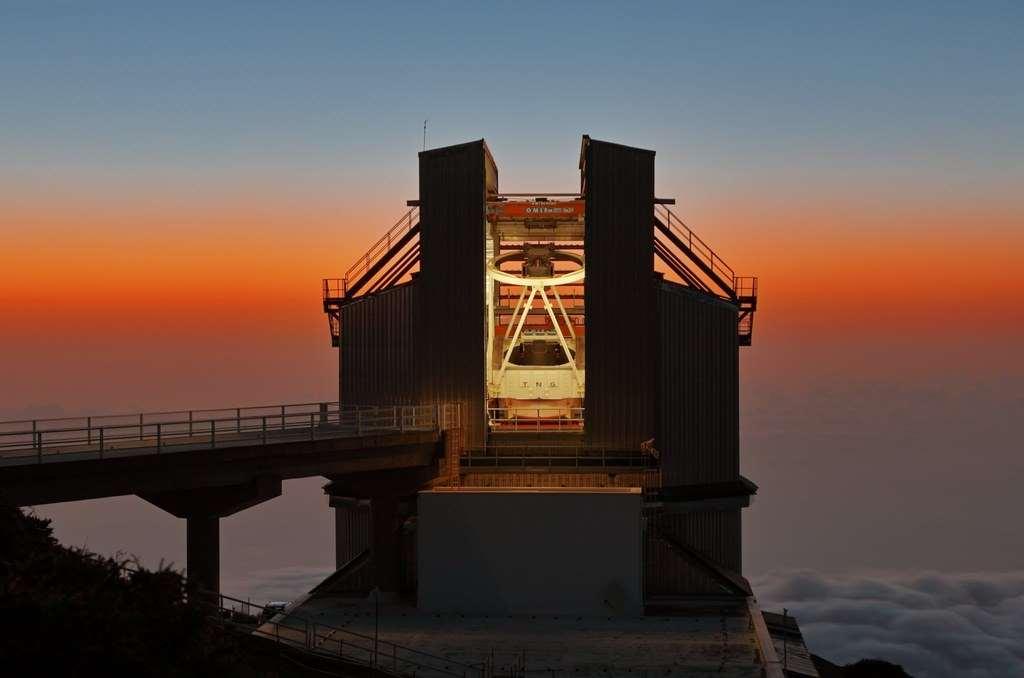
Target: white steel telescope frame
column 537, row 287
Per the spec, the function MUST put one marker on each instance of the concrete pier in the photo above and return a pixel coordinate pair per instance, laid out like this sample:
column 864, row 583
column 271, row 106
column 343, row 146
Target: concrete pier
column 202, row 563
column 202, row 509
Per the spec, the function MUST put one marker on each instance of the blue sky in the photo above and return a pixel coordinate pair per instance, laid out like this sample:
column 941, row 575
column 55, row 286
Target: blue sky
column 744, row 87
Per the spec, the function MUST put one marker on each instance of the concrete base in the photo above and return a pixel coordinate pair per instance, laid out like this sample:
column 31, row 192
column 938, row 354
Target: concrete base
column 202, row 510
column 502, row 551
column 203, row 552
column 368, row 515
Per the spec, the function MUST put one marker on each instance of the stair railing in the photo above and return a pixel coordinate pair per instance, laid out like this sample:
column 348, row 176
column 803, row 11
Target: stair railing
column 697, row 246
column 404, row 224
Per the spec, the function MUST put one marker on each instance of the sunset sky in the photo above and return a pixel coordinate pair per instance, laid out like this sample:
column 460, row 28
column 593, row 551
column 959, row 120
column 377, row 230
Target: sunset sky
column 175, row 181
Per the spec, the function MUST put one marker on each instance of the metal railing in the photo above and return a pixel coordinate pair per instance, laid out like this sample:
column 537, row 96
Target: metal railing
column 333, row 289
column 745, row 286
column 405, row 223
column 695, row 245
column 739, row 289
column 700, row 248
column 535, row 418
column 38, row 440
column 569, row 456
column 326, row 641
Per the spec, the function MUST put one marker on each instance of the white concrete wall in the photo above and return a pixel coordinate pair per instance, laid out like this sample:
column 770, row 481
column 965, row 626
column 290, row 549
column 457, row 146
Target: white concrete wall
column 544, row 551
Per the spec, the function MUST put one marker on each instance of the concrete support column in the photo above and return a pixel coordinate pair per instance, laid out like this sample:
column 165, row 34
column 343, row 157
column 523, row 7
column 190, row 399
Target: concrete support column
column 202, row 560
column 352, row 528
column 202, row 508
column 386, row 545
column 375, row 520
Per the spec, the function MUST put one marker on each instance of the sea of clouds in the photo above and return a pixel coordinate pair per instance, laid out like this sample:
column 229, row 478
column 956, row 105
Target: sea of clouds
column 281, row 584
column 935, row 624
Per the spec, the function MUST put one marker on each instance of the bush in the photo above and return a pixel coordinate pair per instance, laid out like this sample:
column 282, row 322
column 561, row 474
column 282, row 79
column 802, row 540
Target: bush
column 72, row 613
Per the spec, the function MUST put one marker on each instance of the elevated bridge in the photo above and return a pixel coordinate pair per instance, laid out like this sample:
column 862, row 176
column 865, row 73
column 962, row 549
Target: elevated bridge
column 202, row 465
column 72, row 458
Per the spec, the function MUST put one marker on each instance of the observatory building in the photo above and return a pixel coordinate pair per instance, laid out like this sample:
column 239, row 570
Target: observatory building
column 583, row 350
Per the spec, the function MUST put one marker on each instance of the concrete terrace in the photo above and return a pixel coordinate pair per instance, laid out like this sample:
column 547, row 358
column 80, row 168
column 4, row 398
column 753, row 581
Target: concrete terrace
column 714, row 637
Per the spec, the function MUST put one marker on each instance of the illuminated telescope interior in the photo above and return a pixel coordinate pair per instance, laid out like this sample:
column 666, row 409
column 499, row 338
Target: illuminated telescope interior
column 536, row 346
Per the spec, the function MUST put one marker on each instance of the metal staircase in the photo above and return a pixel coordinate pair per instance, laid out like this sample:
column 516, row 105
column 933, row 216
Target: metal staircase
column 391, row 259
column 699, row 267
column 384, row 265
column 321, row 648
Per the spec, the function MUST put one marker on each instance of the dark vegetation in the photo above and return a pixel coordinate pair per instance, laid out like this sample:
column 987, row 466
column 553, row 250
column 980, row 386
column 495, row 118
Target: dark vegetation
column 865, row 668
column 70, row 613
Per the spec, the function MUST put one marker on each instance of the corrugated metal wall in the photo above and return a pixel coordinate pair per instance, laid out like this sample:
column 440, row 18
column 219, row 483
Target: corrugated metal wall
column 619, row 294
column 379, row 349
column 353, row 525
column 450, row 310
column 662, row 360
column 698, row 418
column 716, row 534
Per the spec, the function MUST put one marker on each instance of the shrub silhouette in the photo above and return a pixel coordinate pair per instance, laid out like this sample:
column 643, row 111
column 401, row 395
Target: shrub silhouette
column 71, row 613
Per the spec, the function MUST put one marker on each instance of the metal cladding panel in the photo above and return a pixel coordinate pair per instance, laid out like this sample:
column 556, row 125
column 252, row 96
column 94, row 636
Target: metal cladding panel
column 353, row 530
column 450, row 312
column 698, row 419
column 716, row 534
column 619, row 294
column 378, row 348
column 549, row 552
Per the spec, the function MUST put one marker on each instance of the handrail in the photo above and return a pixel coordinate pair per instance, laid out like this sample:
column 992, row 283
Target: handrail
column 333, row 288
column 317, row 637
column 577, row 194
column 404, row 223
column 153, row 413
column 156, row 432
column 557, row 456
column 741, row 290
column 515, row 418
column 325, row 640
column 700, row 248
column 745, row 287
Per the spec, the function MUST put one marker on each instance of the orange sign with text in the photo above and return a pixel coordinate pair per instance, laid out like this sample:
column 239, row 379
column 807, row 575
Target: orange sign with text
column 530, row 210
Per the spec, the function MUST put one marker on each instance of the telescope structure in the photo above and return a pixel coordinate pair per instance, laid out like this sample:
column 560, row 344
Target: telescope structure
column 589, row 341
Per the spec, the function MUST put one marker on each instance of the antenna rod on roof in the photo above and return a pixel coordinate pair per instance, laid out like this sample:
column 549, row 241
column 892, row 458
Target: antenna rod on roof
column 425, row 133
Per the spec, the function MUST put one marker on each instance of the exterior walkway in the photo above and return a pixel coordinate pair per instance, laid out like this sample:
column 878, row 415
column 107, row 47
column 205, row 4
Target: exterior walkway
column 117, row 436
column 71, row 459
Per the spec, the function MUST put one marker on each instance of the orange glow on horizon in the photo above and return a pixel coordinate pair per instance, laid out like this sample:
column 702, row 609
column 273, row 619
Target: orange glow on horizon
column 107, row 266
column 132, row 301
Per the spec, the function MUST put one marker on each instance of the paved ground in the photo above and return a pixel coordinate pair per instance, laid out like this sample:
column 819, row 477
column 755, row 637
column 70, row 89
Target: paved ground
column 710, row 641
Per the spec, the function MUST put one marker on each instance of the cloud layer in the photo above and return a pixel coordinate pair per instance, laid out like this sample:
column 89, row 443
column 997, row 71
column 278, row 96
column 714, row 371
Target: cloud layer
column 282, row 584
column 963, row 625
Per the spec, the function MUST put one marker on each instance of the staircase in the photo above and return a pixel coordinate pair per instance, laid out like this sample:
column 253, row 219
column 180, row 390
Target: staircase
column 324, row 649
column 392, row 259
column 385, row 264
column 699, row 267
